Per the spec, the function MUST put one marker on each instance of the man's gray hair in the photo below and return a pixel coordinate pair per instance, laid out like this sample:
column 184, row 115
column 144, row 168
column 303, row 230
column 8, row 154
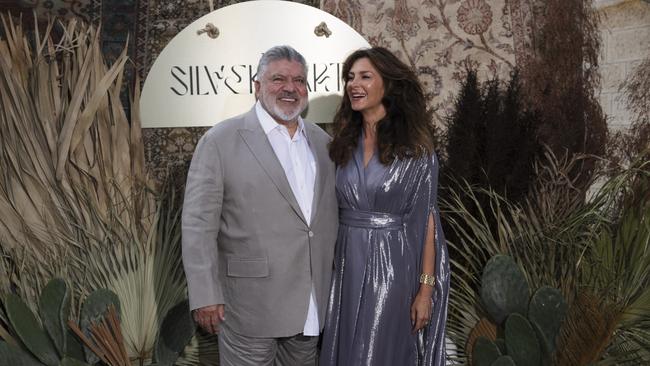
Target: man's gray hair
column 278, row 53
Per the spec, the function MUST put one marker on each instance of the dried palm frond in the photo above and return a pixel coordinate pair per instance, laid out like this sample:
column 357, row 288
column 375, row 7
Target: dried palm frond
column 66, row 150
column 74, row 192
column 146, row 275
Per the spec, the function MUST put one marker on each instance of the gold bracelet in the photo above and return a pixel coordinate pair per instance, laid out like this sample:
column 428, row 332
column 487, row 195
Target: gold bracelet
column 427, row 279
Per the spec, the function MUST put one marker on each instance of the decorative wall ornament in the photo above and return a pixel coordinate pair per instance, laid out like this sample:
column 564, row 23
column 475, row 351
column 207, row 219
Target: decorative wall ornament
column 210, row 30
column 322, row 30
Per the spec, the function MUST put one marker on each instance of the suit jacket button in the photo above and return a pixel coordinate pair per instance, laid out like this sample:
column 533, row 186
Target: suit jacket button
column 311, row 234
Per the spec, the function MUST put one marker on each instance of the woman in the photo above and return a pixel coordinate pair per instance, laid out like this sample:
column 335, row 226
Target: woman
column 388, row 303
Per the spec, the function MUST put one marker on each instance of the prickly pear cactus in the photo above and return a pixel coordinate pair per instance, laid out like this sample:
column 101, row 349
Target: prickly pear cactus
column 485, row 352
column 30, row 331
column 521, row 342
column 504, row 361
column 176, row 331
column 546, row 312
column 10, row 355
column 54, row 307
column 530, row 328
column 504, row 289
column 72, row 362
column 501, row 343
column 94, row 309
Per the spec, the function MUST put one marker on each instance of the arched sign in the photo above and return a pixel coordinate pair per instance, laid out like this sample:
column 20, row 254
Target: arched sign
column 205, row 74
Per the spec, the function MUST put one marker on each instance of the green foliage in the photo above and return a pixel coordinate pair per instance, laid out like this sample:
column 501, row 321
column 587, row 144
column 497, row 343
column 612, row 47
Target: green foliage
column 93, row 311
column 505, row 296
column 485, row 352
column 619, row 270
column 72, row 362
column 465, row 131
column 11, row 355
column 504, row 361
column 30, row 331
column 176, row 331
column 96, row 305
column 491, row 138
column 594, row 251
column 504, row 289
column 521, row 341
column 54, row 307
column 546, row 312
column 501, row 343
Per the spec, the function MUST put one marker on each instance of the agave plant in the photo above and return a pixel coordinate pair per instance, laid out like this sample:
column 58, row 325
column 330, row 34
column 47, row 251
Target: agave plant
column 594, row 249
column 74, row 192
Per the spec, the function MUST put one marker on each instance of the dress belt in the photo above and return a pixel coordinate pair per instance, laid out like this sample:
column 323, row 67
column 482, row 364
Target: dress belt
column 370, row 220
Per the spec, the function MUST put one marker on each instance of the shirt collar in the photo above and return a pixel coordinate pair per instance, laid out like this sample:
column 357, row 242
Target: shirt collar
column 269, row 124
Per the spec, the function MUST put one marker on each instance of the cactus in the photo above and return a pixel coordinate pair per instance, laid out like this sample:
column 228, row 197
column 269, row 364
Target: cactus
column 530, row 329
column 93, row 310
column 501, row 343
column 546, row 312
column 176, row 331
column 15, row 356
column 96, row 305
column 67, row 361
column 485, row 352
column 46, row 346
column 74, row 348
column 54, row 306
column 30, row 331
column 504, row 289
column 521, row 342
column 504, row 361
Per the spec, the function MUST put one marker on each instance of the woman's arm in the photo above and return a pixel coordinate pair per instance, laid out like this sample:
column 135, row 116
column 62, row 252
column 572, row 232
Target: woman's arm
column 422, row 305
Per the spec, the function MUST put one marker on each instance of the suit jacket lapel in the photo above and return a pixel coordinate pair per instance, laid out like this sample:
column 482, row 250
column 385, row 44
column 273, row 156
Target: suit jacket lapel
column 259, row 145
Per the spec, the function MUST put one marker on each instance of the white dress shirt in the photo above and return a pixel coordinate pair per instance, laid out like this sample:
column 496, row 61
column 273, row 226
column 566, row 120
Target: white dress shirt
column 299, row 166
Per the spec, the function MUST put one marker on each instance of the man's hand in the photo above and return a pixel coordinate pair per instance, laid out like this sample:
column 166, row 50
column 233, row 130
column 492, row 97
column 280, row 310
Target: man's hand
column 209, row 317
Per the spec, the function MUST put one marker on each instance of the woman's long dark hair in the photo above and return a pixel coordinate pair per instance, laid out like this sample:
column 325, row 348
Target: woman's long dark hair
column 406, row 130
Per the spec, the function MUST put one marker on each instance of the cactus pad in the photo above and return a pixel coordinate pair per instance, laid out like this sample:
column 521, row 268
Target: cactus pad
column 504, row 289
column 521, row 342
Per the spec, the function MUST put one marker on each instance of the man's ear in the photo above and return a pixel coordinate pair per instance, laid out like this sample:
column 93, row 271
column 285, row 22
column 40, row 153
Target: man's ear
column 257, row 88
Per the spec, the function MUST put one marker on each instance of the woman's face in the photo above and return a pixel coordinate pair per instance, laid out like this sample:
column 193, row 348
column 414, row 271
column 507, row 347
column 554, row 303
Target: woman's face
column 365, row 88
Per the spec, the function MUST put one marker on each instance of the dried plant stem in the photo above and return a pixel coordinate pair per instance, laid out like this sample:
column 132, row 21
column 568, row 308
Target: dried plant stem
column 107, row 341
column 89, row 343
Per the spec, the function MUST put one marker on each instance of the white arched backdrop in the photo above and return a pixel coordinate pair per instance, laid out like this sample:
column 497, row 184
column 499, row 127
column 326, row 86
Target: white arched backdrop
column 205, row 74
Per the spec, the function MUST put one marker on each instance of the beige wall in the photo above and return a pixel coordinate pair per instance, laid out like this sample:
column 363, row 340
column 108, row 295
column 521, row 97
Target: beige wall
column 626, row 41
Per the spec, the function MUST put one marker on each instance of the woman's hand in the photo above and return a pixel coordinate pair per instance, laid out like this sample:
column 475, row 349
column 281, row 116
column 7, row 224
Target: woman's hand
column 421, row 308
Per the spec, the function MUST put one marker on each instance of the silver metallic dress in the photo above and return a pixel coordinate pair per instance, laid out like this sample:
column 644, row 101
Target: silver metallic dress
column 383, row 221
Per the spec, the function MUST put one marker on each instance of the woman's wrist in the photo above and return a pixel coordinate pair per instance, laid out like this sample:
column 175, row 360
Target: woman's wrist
column 427, row 279
column 427, row 282
column 425, row 290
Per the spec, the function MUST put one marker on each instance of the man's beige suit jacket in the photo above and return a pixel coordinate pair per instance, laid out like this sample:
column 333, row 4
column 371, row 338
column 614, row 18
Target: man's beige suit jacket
column 245, row 241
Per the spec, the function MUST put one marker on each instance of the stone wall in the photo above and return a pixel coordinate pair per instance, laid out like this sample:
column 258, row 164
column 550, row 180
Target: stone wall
column 626, row 41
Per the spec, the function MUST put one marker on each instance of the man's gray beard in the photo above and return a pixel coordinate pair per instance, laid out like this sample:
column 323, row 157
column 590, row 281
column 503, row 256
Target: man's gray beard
column 276, row 112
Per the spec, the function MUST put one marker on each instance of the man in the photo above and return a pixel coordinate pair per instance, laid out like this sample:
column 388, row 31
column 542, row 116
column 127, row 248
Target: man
column 259, row 224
